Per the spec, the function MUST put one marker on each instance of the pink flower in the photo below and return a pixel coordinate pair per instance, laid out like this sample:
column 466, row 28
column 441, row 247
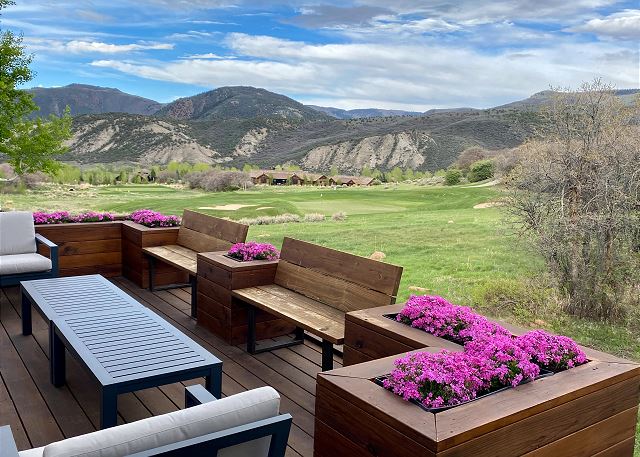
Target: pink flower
column 151, row 218
column 252, row 250
column 551, row 352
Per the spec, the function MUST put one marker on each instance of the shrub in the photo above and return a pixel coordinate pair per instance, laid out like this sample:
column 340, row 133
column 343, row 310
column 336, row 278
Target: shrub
column 218, row 181
column 480, row 170
column 339, row 216
column 452, row 177
column 313, row 217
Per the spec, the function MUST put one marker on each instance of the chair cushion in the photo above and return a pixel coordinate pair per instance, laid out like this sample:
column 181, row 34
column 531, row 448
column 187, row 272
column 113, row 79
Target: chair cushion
column 153, row 432
column 17, row 233
column 23, row 263
column 35, row 452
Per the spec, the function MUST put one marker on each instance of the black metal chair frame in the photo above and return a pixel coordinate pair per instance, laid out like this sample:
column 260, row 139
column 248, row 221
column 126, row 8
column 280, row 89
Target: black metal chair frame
column 13, row 280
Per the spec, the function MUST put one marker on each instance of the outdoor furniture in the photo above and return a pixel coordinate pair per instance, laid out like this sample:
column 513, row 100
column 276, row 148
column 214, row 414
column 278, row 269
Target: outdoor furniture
column 198, row 233
column 247, row 424
column 19, row 258
column 313, row 288
column 122, row 344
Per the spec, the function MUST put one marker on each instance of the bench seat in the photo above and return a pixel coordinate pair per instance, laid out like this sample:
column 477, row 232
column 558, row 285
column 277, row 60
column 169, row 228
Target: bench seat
column 184, row 259
column 311, row 315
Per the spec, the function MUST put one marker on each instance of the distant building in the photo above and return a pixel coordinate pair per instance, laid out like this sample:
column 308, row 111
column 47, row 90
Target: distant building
column 316, row 179
column 297, row 178
column 344, row 180
column 259, row 177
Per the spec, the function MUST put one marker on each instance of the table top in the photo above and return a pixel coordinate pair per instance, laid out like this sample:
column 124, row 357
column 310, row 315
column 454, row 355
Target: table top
column 116, row 337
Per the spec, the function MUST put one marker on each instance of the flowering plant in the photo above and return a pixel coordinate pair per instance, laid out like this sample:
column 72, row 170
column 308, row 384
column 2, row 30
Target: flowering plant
column 438, row 379
column 151, row 218
column 441, row 318
column 92, row 216
column 551, row 352
column 253, row 251
column 509, row 363
column 57, row 217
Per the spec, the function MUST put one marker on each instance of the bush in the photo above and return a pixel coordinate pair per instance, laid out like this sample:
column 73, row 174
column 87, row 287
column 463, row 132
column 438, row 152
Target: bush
column 452, row 177
column 218, row 181
column 313, row 217
column 480, row 170
column 339, row 216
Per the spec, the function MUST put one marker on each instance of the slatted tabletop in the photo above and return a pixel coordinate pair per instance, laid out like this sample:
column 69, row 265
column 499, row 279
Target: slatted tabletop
column 123, row 345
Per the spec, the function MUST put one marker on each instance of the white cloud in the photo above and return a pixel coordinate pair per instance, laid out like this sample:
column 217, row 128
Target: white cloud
column 622, row 25
column 208, row 55
column 391, row 75
column 91, row 47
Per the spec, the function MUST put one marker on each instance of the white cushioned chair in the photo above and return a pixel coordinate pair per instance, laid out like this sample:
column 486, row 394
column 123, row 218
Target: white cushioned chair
column 247, row 424
column 19, row 258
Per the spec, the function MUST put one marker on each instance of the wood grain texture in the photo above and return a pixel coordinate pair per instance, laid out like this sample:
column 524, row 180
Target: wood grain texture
column 222, row 229
column 378, row 276
column 336, row 292
column 175, row 255
column 201, row 242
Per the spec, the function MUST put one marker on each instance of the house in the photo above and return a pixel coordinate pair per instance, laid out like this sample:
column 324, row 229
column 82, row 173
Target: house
column 349, row 181
column 281, row 178
column 259, row 176
column 316, row 179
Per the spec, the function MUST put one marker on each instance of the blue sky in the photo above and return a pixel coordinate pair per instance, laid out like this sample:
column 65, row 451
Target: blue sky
column 403, row 54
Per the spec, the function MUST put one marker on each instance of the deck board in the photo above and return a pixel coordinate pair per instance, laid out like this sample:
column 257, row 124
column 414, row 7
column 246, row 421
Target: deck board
column 40, row 413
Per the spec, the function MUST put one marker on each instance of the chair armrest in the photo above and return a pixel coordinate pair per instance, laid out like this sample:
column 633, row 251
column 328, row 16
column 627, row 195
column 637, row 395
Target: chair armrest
column 277, row 428
column 53, row 252
column 8, row 446
column 197, row 395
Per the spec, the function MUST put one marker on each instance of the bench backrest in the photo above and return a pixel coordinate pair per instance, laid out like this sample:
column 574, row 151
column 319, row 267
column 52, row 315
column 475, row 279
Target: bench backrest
column 203, row 233
column 343, row 281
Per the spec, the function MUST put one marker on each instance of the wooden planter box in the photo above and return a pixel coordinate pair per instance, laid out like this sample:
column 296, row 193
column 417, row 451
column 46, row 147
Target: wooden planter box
column 226, row 317
column 588, row 410
column 135, row 266
column 86, row 247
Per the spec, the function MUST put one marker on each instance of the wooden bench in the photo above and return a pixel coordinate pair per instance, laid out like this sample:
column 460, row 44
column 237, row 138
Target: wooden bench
column 314, row 288
column 197, row 233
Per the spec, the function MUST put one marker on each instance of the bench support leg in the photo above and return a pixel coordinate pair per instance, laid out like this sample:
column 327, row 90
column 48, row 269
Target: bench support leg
column 193, row 280
column 108, row 408
column 26, row 315
column 152, row 271
column 255, row 347
column 327, row 355
column 56, row 357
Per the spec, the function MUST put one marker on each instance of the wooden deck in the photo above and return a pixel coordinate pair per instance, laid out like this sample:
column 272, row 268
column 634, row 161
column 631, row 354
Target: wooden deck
column 40, row 413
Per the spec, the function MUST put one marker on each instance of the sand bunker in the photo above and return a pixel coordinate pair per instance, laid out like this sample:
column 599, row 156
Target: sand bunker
column 264, row 207
column 229, row 207
column 487, row 205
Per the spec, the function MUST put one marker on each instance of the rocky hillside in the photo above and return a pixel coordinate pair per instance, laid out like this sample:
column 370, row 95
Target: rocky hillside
column 239, row 103
column 85, row 99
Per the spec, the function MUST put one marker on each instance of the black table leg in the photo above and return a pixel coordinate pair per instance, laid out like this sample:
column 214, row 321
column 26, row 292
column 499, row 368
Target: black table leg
column 327, row 355
column 26, row 315
column 213, row 381
column 108, row 408
column 56, row 357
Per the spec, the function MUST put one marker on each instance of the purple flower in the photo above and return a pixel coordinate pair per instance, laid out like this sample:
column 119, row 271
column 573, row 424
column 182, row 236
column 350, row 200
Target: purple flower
column 252, row 250
column 151, row 218
column 92, row 216
column 57, row 217
column 551, row 352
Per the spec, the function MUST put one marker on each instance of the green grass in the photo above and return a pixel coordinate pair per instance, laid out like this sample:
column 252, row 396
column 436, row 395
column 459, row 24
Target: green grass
column 443, row 243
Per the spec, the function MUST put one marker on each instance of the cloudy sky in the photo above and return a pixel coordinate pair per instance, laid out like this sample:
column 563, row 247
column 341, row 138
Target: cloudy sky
column 403, row 54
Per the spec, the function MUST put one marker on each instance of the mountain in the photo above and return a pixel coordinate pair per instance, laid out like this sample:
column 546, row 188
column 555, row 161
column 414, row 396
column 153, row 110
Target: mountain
column 361, row 113
column 539, row 99
column 85, row 99
column 239, row 102
column 238, row 125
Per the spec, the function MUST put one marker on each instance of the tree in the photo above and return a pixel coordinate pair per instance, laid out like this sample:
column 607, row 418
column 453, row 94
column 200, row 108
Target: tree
column 452, row 177
column 480, row 170
column 576, row 191
column 30, row 145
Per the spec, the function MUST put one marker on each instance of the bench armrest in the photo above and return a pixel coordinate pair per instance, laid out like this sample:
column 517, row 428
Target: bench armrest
column 197, row 395
column 8, row 446
column 277, row 428
column 53, row 252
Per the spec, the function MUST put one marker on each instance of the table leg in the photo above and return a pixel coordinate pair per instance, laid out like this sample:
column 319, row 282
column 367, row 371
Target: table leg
column 56, row 357
column 251, row 329
column 108, row 408
column 213, row 381
column 193, row 280
column 26, row 315
column 152, row 271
